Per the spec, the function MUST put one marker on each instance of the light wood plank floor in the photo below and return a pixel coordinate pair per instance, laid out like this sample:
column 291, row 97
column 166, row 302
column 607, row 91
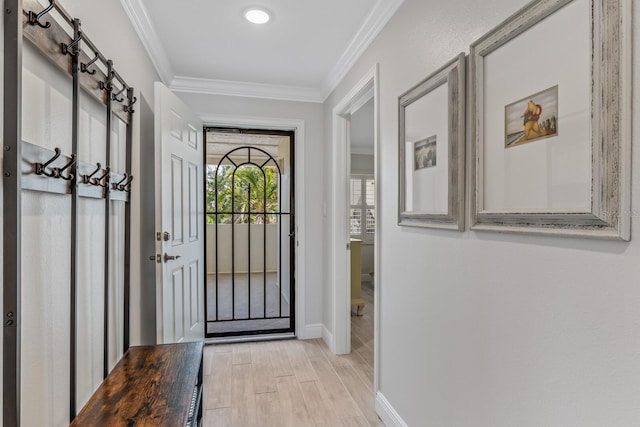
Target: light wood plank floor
column 292, row 383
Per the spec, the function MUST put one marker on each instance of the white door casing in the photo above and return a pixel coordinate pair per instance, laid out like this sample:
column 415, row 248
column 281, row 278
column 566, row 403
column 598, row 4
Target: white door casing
column 303, row 331
column 366, row 88
column 340, row 232
column 179, row 219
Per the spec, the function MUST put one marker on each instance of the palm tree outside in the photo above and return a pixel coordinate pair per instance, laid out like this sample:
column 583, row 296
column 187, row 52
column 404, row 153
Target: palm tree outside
column 252, row 193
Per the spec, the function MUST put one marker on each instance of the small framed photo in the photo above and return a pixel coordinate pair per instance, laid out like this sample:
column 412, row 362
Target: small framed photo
column 425, row 153
column 531, row 118
column 431, row 146
column 550, row 124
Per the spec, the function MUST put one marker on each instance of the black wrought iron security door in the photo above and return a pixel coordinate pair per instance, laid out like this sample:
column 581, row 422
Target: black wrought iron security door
column 250, row 233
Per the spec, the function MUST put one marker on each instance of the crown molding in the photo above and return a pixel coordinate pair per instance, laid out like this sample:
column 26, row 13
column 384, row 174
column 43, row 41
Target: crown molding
column 375, row 22
column 245, row 89
column 149, row 37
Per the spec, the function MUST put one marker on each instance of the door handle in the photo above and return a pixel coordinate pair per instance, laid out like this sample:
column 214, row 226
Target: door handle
column 168, row 257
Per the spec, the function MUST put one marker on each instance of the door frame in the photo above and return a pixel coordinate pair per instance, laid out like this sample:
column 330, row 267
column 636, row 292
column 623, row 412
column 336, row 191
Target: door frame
column 363, row 91
column 297, row 126
column 257, row 333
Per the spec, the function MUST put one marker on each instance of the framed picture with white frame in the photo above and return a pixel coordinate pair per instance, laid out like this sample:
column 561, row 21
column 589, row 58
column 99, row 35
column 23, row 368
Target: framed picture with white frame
column 431, row 146
column 550, row 106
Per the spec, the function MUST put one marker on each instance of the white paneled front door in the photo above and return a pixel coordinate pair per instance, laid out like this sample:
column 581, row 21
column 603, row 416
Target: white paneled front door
column 179, row 219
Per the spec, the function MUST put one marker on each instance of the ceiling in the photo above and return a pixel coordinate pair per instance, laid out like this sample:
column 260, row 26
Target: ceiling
column 206, row 46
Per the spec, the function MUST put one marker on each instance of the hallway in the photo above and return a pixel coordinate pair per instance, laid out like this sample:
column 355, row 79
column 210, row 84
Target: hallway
column 292, row 383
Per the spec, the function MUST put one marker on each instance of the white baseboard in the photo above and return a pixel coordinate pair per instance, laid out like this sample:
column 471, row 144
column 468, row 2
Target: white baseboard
column 327, row 337
column 308, row 332
column 386, row 412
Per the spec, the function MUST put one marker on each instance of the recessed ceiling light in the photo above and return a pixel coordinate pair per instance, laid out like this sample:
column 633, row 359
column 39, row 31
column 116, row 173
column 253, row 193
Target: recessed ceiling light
column 257, row 16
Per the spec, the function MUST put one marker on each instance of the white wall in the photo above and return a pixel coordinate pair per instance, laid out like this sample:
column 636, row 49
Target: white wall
column 311, row 237
column 45, row 309
column 483, row 329
column 108, row 26
column 362, row 163
column 361, row 129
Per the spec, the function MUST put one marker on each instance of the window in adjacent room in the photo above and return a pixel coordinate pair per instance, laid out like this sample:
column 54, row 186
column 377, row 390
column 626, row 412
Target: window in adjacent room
column 362, row 213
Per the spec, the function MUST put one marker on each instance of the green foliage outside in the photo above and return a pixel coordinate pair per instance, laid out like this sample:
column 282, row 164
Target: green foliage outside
column 249, row 195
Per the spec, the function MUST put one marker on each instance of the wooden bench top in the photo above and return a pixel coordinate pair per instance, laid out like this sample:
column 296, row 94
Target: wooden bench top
column 150, row 386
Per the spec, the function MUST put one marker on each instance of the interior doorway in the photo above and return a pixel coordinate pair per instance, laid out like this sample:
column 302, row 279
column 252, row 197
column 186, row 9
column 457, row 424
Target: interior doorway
column 362, row 229
column 364, row 91
column 250, row 232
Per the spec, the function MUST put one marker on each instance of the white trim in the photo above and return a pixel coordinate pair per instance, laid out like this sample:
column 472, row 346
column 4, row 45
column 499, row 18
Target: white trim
column 309, row 332
column 361, row 102
column 377, row 238
column 245, row 89
column 255, row 122
column 248, row 338
column 387, row 413
column 301, row 195
column 375, row 22
column 327, row 337
column 141, row 22
column 340, row 269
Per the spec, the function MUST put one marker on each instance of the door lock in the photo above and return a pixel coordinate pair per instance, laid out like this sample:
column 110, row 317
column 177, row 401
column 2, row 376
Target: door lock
column 156, row 258
column 168, row 257
column 166, row 236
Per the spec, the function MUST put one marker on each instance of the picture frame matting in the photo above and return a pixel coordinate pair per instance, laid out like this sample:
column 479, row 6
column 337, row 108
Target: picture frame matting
column 608, row 213
column 452, row 74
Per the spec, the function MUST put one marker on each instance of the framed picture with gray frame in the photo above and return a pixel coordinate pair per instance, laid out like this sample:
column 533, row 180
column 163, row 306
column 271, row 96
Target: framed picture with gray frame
column 550, row 121
column 431, row 146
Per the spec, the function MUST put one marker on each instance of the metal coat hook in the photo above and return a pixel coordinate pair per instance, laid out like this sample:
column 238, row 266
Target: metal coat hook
column 71, row 48
column 34, row 18
column 127, row 185
column 69, row 176
column 41, row 167
column 107, row 85
column 85, row 67
column 128, row 108
column 117, row 185
column 86, row 179
column 105, row 177
column 115, row 95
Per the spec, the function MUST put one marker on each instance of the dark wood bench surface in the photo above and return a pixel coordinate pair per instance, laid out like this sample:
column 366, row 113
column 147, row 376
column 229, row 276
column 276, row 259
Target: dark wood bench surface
column 150, row 386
